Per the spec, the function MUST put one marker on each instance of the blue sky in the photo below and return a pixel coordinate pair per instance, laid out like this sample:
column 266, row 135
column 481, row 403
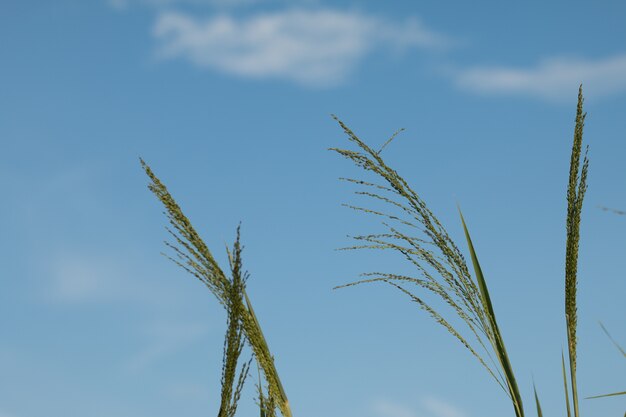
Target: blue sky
column 230, row 103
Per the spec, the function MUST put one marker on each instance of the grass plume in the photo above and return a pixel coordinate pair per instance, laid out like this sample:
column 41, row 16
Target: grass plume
column 440, row 264
column 193, row 255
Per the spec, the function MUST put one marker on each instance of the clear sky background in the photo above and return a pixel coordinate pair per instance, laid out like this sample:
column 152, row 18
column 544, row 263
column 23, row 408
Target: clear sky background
column 230, row 103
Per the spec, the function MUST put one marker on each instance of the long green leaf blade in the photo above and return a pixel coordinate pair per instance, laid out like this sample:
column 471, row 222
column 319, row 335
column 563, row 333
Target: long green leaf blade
column 499, row 342
column 569, row 413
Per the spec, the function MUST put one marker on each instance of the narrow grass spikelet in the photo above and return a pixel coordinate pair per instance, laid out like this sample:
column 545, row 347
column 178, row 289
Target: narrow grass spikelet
column 234, row 340
column 193, row 255
column 576, row 189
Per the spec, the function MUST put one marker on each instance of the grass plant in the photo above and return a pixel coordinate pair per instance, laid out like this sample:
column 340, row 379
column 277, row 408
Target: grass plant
column 442, row 270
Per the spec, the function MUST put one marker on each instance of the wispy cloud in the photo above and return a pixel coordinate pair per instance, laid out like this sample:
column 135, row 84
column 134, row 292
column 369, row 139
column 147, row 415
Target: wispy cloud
column 430, row 407
column 187, row 391
column 555, row 79
column 125, row 4
column 312, row 47
column 80, row 279
column 164, row 339
column 385, row 408
column 441, row 408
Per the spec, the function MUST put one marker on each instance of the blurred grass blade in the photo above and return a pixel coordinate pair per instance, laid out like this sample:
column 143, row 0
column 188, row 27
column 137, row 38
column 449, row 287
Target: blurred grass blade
column 607, row 395
column 569, row 413
column 612, row 340
column 539, row 412
column 499, row 347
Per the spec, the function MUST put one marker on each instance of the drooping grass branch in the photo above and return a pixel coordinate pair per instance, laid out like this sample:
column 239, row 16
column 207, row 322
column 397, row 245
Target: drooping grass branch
column 193, row 255
column 441, row 266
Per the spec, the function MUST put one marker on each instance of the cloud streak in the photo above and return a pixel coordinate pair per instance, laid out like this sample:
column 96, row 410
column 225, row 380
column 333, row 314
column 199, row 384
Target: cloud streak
column 384, row 408
column 78, row 279
column 432, row 407
column 554, row 79
column 441, row 408
column 125, row 4
column 311, row 47
column 165, row 339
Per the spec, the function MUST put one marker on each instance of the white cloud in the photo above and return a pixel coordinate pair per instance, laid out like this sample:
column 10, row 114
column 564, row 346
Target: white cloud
column 313, row 47
column 555, row 79
column 441, row 408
